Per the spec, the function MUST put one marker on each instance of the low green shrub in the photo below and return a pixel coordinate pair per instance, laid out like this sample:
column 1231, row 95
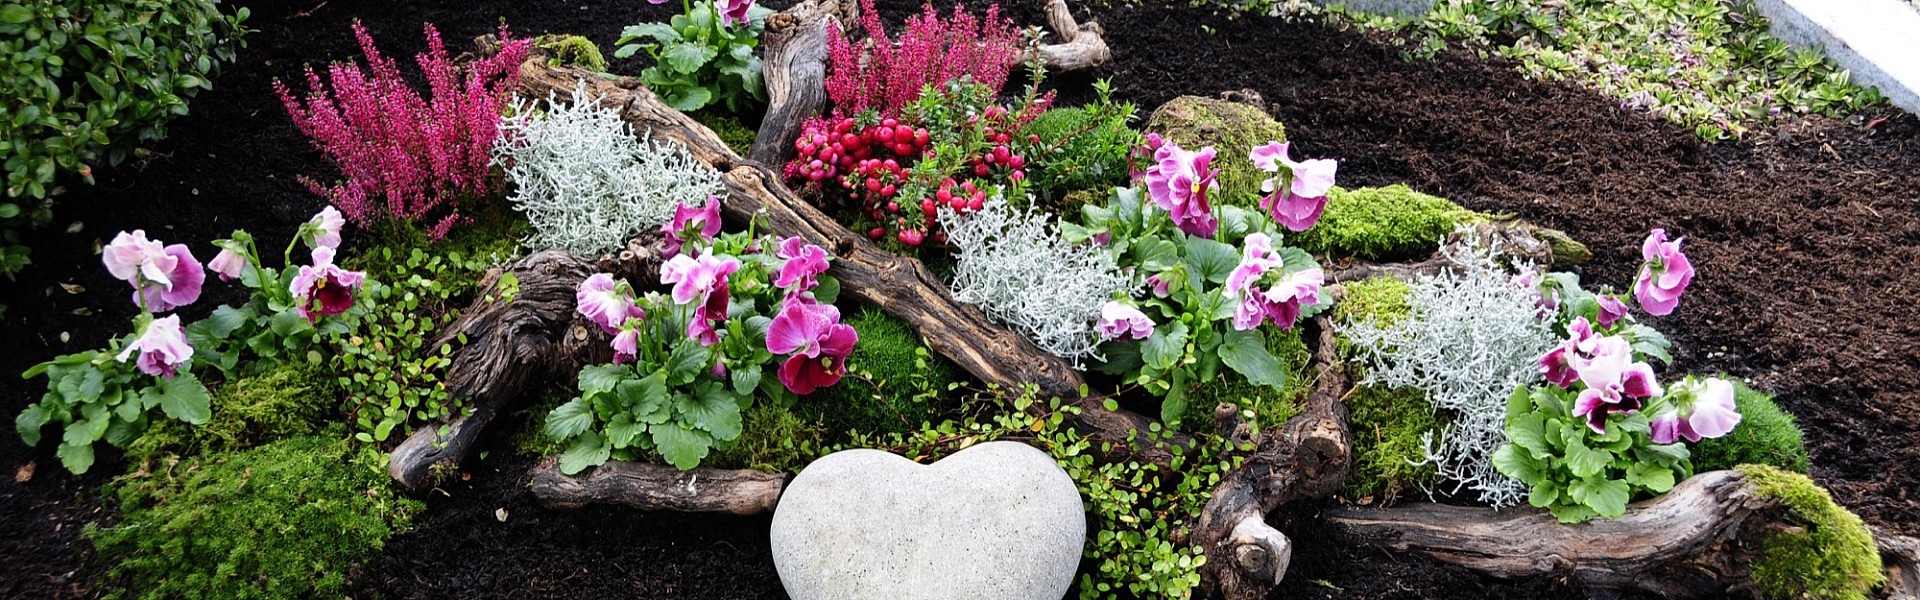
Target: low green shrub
column 1766, row 436
column 291, row 399
column 288, row 519
column 1082, row 148
column 1831, row 556
column 1381, row 224
column 894, row 384
column 91, row 80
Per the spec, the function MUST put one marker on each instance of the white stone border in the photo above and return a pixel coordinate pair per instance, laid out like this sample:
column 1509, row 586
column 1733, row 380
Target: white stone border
column 1877, row 40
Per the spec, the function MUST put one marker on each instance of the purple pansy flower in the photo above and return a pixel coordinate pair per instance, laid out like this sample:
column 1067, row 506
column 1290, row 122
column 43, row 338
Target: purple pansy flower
column 182, row 287
column 229, row 264
column 606, row 302
column 1611, row 309
column 1614, row 381
column 1555, row 365
column 1664, row 275
column 733, row 12
column 626, row 345
column 703, row 222
column 804, row 262
column 324, row 228
column 693, row 279
column 1180, row 182
column 323, row 289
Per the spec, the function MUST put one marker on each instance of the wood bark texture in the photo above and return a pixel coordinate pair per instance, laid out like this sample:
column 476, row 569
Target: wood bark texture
column 1082, row 45
column 1673, row 545
column 795, row 70
column 648, row 486
column 898, row 285
column 1307, row 457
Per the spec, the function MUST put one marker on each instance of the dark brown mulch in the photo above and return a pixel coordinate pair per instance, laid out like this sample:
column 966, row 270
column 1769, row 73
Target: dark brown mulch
column 1800, row 234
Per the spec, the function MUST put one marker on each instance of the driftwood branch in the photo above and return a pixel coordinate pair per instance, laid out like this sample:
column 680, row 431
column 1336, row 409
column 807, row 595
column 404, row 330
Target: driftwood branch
column 1514, row 240
column 1901, row 555
column 1677, row 545
column 647, row 486
column 796, row 73
column 898, row 285
column 1082, row 45
column 1305, row 458
column 514, row 342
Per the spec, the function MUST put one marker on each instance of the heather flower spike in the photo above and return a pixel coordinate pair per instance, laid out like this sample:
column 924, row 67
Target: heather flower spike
column 689, row 222
column 1121, row 321
column 1180, row 182
column 1664, row 275
column 322, row 289
column 818, row 342
column 1702, row 409
column 163, row 348
column 1308, row 182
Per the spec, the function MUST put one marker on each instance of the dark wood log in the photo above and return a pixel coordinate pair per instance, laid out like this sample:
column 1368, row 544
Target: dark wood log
column 513, row 343
column 1674, row 545
column 898, row 285
column 648, row 486
column 1901, row 555
column 796, row 72
column 1082, row 45
column 1307, row 457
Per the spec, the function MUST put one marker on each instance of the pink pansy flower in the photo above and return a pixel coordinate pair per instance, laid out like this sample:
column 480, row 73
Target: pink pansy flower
column 324, row 228
column 162, row 346
column 322, row 289
column 1161, row 286
column 606, row 302
column 703, row 221
column 1555, row 365
column 180, row 288
column 1615, row 383
column 804, row 262
column 1179, row 183
column 1611, row 309
column 1299, row 206
column 131, row 257
column 1144, row 155
column 693, row 279
column 1705, row 409
column 1280, row 303
column 734, row 12
column 818, row 342
column 1120, row 321
column 228, row 264
column 701, row 327
column 1664, row 275
column 1256, row 259
column 626, row 345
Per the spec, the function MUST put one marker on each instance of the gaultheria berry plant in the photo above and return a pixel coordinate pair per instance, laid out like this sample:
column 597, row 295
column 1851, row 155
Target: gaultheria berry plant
column 740, row 319
column 886, row 74
column 404, row 156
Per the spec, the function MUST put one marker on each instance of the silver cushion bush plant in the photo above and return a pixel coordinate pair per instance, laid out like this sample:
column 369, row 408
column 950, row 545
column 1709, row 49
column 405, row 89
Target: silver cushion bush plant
column 1014, row 265
column 587, row 182
column 1469, row 340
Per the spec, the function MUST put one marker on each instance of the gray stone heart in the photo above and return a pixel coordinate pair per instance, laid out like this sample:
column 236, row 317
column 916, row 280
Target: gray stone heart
column 997, row 520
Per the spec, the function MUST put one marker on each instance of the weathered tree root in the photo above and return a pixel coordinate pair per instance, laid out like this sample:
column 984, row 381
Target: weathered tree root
column 1305, row 458
column 796, row 73
column 1514, row 239
column 648, row 486
column 1901, row 555
column 1082, row 45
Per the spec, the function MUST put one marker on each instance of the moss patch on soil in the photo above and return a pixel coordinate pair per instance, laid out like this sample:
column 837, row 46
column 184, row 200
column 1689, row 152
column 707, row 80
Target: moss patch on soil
column 1381, row 223
column 1832, row 556
column 1232, row 128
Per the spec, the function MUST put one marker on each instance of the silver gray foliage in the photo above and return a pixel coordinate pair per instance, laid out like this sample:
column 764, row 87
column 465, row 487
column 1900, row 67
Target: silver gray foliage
column 1014, row 265
column 586, row 182
column 1470, row 339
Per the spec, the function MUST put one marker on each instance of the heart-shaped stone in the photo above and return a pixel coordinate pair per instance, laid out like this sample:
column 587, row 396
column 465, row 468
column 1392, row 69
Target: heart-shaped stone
column 997, row 520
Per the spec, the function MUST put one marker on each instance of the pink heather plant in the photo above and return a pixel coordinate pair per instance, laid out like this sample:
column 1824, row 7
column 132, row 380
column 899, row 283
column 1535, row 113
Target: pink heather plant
column 1307, row 182
column 1121, row 321
column 322, row 289
column 930, row 51
column 1664, row 275
column 1702, row 409
column 1179, row 182
column 402, row 155
column 162, row 346
column 818, row 342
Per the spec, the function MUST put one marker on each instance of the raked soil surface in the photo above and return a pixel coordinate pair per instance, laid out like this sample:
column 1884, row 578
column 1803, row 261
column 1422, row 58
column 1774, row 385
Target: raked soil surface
column 1804, row 235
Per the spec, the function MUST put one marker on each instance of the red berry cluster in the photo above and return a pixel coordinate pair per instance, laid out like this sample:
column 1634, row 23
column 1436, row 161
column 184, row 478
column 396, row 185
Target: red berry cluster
column 830, row 149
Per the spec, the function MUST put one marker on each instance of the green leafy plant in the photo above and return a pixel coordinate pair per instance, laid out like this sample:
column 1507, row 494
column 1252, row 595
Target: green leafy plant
column 95, row 397
column 701, row 57
column 90, row 80
column 16, row 218
column 276, row 325
column 389, row 367
column 290, row 519
column 1191, row 302
column 1578, row 473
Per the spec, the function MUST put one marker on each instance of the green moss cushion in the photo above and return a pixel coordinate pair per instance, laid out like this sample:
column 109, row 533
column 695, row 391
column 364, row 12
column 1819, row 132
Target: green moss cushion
column 1766, row 435
column 894, row 384
column 1233, row 129
column 1384, row 223
column 1830, row 556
